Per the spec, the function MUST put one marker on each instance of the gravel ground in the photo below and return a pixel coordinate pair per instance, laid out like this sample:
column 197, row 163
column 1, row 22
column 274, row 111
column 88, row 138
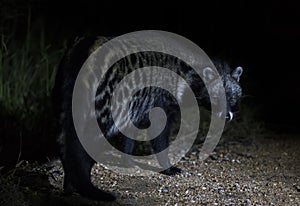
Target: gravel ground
column 263, row 171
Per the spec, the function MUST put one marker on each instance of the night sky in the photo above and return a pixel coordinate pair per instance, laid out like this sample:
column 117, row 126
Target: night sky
column 261, row 37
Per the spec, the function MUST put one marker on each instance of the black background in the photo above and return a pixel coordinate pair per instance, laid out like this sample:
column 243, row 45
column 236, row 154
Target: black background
column 263, row 37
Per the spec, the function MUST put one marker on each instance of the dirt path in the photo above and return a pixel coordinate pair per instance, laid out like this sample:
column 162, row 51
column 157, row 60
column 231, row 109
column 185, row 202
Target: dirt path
column 263, row 171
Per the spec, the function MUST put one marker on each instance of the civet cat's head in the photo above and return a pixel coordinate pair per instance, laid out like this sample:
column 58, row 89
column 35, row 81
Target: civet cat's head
column 230, row 78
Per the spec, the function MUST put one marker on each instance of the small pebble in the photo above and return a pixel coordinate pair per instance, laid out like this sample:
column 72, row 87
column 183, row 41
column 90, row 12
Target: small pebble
column 213, row 156
column 187, row 174
column 236, row 185
column 165, row 191
column 247, row 201
column 227, row 157
column 221, row 191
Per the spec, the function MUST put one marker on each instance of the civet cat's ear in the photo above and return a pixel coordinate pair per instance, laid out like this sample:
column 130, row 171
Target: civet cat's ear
column 237, row 72
column 209, row 74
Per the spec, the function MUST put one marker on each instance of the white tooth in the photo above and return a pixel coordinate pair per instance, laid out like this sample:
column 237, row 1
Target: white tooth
column 231, row 116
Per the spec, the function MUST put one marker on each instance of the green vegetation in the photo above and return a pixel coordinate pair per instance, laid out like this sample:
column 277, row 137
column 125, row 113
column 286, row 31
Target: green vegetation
column 27, row 72
column 29, row 57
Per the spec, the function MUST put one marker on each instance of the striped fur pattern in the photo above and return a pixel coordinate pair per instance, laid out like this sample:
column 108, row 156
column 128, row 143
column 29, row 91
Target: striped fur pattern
column 77, row 163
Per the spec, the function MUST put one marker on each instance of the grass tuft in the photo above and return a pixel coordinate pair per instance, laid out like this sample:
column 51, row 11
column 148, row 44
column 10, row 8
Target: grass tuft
column 27, row 74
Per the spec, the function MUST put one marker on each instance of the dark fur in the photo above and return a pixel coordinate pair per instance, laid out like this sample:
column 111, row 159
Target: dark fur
column 77, row 163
